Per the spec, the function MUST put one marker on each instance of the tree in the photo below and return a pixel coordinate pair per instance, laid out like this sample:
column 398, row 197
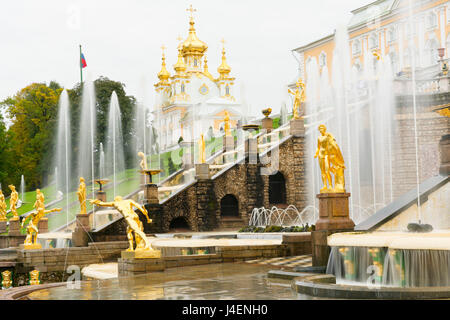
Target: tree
column 6, row 168
column 33, row 111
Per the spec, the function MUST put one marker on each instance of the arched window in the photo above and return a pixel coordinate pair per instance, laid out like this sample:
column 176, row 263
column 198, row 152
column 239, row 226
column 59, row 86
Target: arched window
column 431, row 20
column 431, row 52
column 356, row 47
column 195, row 62
column 182, row 87
column 373, row 41
column 227, row 90
column 392, row 34
column 322, row 59
column 277, row 188
column 229, row 206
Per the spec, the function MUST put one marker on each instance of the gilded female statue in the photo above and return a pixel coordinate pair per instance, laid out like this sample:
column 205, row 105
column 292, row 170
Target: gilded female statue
column 14, row 198
column 82, row 196
column 143, row 162
column 2, row 206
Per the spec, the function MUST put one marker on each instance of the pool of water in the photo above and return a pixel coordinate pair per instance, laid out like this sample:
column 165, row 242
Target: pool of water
column 218, row 281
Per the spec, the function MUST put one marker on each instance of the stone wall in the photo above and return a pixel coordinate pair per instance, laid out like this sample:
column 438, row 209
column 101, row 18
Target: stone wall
column 430, row 127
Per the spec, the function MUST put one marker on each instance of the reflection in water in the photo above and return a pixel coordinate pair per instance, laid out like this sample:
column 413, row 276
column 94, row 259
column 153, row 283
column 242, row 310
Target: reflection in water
column 218, row 281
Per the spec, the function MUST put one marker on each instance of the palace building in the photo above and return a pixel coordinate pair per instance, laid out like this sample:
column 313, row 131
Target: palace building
column 191, row 101
column 385, row 27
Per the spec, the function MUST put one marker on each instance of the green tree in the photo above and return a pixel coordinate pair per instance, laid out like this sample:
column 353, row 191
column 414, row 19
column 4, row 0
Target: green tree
column 33, row 111
column 6, row 168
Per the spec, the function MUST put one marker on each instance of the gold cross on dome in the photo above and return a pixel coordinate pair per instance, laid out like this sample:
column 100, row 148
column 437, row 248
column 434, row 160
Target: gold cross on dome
column 163, row 47
column 191, row 10
column 179, row 38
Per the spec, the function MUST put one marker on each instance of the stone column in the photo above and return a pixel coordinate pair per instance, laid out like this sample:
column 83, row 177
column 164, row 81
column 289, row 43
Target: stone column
column 297, row 129
column 333, row 217
column 206, row 216
column 267, row 124
column 228, row 143
column 14, row 228
column 100, row 195
column 444, row 148
column 202, row 171
column 43, row 225
column 3, row 226
column 188, row 154
column 80, row 237
column 151, row 193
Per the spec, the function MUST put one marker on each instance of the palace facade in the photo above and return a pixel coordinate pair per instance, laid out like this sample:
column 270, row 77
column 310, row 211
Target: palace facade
column 191, row 101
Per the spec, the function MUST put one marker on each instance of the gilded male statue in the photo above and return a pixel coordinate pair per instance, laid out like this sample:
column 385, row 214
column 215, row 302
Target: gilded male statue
column 143, row 162
column 201, row 149
column 135, row 227
column 40, row 200
column 330, row 161
column 14, row 198
column 3, row 207
column 299, row 98
column 82, row 196
column 32, row 227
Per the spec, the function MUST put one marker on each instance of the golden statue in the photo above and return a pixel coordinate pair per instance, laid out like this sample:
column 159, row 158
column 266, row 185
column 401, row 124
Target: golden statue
column 201, row 149
column 32, row 228
column 143, row 163
column 82, row 196
column 135, row 227
column 14, row 198
column 3, row 207
column 6, row 279
column 226, row 126
column 40, row 199
column 330, row 161
column 299, row 98
column 34, row 278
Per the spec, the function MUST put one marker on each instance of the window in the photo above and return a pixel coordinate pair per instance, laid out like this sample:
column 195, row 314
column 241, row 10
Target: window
column 195, row 62
column 227, row 90
column 322, row 59
column 392, row 34
column 182, row 88
column 394, row 61
column 431, row 52
column 431, row 20
column 373, row 41
column 357, row 66
column 356, row 47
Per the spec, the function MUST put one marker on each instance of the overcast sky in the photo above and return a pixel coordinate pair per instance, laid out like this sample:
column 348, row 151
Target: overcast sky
column 122, row 40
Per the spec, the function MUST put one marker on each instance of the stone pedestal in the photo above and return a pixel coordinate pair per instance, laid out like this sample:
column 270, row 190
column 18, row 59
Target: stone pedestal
column 334, row 212
column 141, row 254
column 100, row 195
column 130, row 266
column 297, row 127
column 202, row 171
column 80, row 237
column 151, row 193
column 251, row 150
column 3, row 227
column 43, row 225
column 444, row 148
column 267, row 124
column 228, row 143
column 14, row 228
column 30, row 246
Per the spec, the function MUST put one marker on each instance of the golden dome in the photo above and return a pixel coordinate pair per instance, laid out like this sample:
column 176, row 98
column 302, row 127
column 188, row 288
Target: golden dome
column 179, row 67
column 163, row 75
column 224, row 69
column 193, row 45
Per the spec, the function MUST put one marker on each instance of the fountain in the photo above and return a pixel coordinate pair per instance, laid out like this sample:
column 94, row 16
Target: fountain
column 22, row 189
column 63, row 150
column 114, row 142
column 262, row 217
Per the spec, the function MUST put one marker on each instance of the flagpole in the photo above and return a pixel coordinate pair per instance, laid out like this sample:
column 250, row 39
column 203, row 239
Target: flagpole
column 81, row 67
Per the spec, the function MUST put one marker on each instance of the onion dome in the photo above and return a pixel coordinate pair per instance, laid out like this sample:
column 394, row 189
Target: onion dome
column 163, row 75
column 224, row 69
column 180, row 67
column 193, row 45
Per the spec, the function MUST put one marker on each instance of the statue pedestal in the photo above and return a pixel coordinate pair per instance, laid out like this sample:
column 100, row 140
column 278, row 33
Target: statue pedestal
column 30, row 246
column 43, row 225
column 297, row 127
column 267, row 124
column 137, row 262
column 151, row 193
column 141, row 254
column 228, row 143
column 202, row 171
column 100, row 195
column 3, row 227
column 14, row 227
column 80, row 236
column 334, row 212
